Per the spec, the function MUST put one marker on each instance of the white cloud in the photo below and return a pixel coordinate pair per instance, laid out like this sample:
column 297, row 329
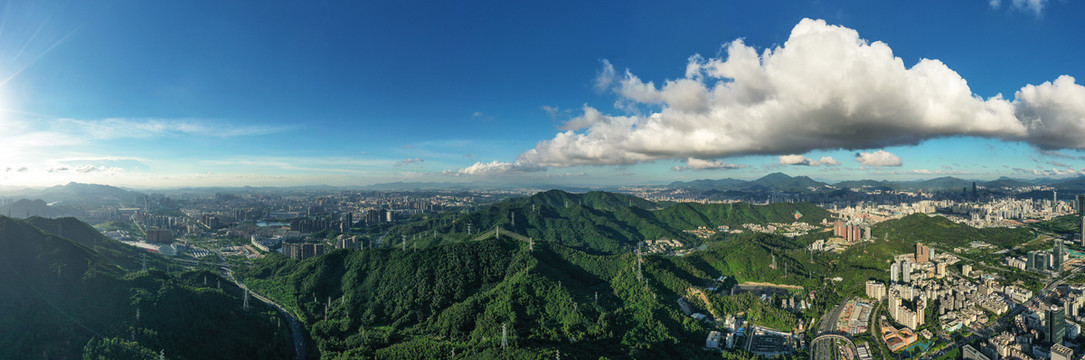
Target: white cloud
column 1053, row 172
column 802, row 160
column 551, row 111
column 1035, row 6
column 116, row 128
column 409, row 161
column 995, row 4
column 878, row 158
column 798, row 160
column 701, row 164
column 825, row 88
column 1054, row 113
column 605, row 77
column 494, row 168
column 939, row 172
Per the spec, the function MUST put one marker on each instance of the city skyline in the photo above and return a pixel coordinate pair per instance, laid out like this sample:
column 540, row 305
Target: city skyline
column 205, row 94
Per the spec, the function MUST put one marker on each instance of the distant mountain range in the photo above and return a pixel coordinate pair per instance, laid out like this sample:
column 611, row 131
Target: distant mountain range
column 786, row 183
column 76, row 193
column 775, row 182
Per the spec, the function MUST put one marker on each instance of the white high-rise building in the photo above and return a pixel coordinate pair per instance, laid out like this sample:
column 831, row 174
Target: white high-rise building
column 875, row 290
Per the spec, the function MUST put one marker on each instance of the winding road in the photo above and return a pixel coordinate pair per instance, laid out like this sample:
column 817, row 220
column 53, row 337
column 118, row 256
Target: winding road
column 296, row 331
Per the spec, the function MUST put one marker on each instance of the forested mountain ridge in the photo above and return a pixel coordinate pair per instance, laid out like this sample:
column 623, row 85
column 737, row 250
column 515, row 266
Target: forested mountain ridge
column 391, row 303
column 429, row 302
column 600, row 222
column 62, row 299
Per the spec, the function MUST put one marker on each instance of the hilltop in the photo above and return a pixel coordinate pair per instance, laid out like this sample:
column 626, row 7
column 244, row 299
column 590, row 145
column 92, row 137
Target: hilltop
column 24, row 208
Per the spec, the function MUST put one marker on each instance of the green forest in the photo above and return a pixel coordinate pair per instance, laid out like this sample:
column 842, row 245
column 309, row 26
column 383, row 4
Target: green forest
column 597, row 222
column 77, row 296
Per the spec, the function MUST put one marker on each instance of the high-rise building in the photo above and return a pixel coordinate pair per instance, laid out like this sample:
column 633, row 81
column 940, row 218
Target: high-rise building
column 1080, row 201
column 302, row 251
column 1056, row 325
column 894, row 272
column 1082, row 232
column 970, row 353
column 906, row 272
column 159, row 236
column 922, row 253
column 1039, row 260
column 1056, row 261
column 1060, row 352
column 875, row 290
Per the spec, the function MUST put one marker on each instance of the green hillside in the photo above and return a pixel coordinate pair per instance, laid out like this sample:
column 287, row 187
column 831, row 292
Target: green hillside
column 688, row 215
column 114, row 252
column 62, row 299
column 941, row 231
column 391, row 303
column 597, row 222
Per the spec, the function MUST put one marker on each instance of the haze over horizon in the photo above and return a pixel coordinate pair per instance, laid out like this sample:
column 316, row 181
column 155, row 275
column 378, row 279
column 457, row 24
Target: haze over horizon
column 145, row 94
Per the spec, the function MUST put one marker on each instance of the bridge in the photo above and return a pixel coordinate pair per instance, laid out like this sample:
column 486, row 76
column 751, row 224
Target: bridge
column 814, row 353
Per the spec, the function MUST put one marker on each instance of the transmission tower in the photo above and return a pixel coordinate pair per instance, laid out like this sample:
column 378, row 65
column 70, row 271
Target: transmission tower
column 530, row 244
column 219, row 285
column 512, row 216
column 205, row 280
column 504, row 336
column 144, row 262
column 404, row 242
column 640, row 260
column 246, row 305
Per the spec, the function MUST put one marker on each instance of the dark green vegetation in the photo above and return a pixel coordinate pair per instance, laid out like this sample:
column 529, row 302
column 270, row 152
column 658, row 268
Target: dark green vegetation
column 598, row 222
column 1066, row 225
column 65, row 297
column 577, row 292
column 112, row 251
column 391, row 303
column 939, row 230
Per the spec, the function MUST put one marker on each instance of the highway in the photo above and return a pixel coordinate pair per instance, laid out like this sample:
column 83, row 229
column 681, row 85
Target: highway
column 296, row 331
column 824, row 350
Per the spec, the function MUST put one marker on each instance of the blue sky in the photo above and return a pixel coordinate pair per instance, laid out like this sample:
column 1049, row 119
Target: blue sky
column 202, row 93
